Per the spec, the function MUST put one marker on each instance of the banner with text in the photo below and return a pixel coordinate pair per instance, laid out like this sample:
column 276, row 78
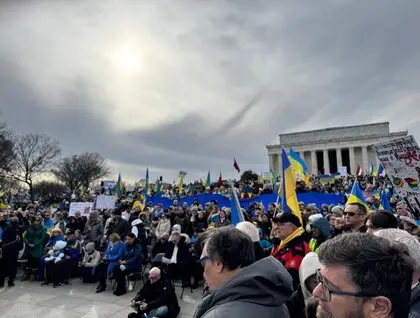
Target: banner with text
column 401, row 161
column 83, row 207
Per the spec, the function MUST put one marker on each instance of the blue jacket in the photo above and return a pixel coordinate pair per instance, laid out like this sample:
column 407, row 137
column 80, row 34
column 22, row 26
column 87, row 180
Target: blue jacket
column 133, row 257
column 48, row 224
column 74, row 250
column 113, row 253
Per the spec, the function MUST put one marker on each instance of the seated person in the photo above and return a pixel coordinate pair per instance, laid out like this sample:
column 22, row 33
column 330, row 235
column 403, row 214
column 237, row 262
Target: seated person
column 56, row 235
column 130, row 262
column 114, row 251
column 87, row 266
column 56, row 265
column 160, row 247
column 157, row 298
column 178, row 258
column 74, row 250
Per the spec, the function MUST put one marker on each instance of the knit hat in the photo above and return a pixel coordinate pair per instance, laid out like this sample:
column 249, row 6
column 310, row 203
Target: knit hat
column 90, row 247
column 249, row 229
column 322, row 225
column 176, row 228
column 288, row 218
column 337, row 210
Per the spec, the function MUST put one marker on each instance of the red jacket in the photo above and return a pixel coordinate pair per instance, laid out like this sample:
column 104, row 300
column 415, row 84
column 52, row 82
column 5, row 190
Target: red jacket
column 291, row 256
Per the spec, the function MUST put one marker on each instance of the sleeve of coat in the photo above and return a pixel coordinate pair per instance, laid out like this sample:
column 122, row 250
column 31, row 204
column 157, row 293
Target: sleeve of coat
column 95, row 261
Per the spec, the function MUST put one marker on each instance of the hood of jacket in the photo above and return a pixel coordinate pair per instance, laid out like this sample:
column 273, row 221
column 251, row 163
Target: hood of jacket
column 264, row 283
column 136, row 222
column 310, row 264
column 323, row 226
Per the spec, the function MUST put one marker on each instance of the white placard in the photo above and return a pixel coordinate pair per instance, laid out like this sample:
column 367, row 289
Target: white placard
column 342, row 171
column 401, row 161
column 85, row 208
column 105, row 202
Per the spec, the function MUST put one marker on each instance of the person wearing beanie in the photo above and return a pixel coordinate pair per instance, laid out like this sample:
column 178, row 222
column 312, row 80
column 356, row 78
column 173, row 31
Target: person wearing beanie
column 320, row 233
column 252, row 231
column 88, row 264
column 290, row 246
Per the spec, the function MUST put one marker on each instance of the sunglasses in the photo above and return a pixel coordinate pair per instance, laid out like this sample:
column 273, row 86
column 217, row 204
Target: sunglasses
column 202, row 260
column 351, row 213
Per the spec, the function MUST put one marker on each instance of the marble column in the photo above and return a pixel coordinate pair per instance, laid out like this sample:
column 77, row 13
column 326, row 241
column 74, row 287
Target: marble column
column 365, row 158
column 326, row 162
column 314, row 163
column 352, row 168
column 339, row 158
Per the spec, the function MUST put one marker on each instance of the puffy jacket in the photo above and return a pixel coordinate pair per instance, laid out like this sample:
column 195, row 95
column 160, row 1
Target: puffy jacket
column 163, row 227
column 259, row 290
column 291, row 256
column 415, row 303
column 133, row 257
column 113, row 253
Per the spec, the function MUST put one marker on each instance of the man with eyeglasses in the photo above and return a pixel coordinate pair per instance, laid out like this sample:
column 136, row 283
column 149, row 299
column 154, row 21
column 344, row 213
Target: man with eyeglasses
column 363, row 276
column 156, row 299
column 355, row 218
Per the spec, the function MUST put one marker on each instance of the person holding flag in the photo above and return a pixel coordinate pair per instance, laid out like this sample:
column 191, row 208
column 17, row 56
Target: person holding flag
column 290, row 246
column 355, row 211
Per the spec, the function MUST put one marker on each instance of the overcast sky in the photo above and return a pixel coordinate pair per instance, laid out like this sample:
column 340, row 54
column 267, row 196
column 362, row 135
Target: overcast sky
column 188, row 85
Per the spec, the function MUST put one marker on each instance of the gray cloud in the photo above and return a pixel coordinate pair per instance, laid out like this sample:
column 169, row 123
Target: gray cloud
column 216, row 80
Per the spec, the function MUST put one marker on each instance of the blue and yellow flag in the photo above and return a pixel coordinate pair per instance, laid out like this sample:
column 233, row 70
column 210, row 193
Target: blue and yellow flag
column 208, row 180
column 119, row 188
column 298, row 165
column 380, row 170
column 157, row 188
column 356, row 196
column 235, row 207
column 288, row 194
column 385, row 205
column 272, row 176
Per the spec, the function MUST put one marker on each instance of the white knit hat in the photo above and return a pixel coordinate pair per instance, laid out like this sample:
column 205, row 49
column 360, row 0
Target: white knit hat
column 249, row 229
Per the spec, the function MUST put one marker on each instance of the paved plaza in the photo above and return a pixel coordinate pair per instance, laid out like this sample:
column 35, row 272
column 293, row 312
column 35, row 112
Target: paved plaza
column 29, row 299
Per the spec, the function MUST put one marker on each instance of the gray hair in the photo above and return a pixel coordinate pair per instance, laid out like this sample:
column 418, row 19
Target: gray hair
column 231, row 247
column 401, row 236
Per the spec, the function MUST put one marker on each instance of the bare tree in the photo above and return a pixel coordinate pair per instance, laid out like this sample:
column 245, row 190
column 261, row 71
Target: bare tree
column 92, row 167
column 6, row 153
column 81, row 170
column 49, row 191
column 33, row 154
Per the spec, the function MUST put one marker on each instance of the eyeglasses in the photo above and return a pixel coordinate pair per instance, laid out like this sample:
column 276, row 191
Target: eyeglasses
column 327, row 292
column 202, row 260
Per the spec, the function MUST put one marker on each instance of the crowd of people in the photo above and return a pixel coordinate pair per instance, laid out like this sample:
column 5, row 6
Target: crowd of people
column 333, row 261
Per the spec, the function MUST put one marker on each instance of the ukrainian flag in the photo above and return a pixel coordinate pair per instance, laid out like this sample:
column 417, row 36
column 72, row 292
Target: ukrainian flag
column 119, row 188
column 288, row 193
column 208, row 180
column 158, row 187
column 380, row 169
column 272, row 176
column 146, row 187
column 181, row 184
column 356, row 196
column 385, row 205
column 298, row 165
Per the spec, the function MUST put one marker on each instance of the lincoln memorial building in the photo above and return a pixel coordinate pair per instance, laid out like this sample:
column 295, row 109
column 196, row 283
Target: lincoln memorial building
column 325, row 150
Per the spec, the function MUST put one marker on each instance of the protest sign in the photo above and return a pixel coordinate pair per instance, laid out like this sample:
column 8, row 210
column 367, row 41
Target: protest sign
column 105, row 202
column 83, row 207
column 342, row 171
column 401, row 161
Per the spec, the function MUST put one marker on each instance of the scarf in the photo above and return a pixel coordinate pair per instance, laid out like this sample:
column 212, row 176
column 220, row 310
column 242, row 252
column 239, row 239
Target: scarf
column 298, row 232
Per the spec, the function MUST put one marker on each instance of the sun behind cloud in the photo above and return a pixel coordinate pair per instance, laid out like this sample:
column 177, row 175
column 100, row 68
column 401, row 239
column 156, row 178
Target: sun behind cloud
column 127, row 59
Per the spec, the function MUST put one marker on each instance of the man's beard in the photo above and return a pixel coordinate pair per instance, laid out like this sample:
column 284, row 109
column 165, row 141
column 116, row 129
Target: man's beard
column 355, row 313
